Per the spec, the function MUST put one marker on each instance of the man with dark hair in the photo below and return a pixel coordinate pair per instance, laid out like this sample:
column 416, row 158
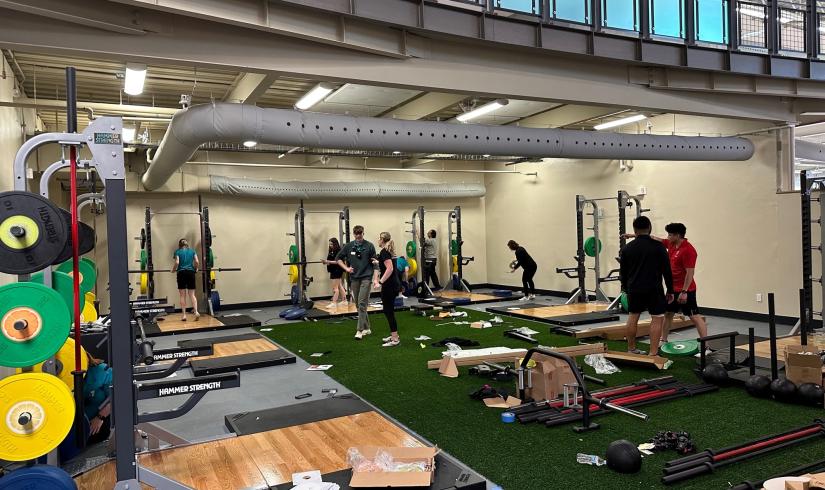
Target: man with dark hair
column 356, row 258
column 683, row 257
column 644, row 264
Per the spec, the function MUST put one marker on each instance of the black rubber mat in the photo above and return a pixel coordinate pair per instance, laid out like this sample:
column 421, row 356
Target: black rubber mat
column 297, row 414
column 206, row 342
column 204, row 367
column 582, row 318
column 740, row 341
column 508, row 309
column 149, row 329
column 448, row 476
column 437, row 300
column 238, row 321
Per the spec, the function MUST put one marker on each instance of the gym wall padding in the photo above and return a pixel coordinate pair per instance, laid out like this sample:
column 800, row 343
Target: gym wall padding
column 746, row 234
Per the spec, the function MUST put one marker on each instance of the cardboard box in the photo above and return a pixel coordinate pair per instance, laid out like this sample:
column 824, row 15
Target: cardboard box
column 548, row 378
column 801, row 367
column 397, row 479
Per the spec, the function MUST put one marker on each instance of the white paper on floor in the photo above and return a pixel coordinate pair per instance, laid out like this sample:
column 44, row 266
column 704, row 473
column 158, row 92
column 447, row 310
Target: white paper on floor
column 265, row 330
column 423, row 337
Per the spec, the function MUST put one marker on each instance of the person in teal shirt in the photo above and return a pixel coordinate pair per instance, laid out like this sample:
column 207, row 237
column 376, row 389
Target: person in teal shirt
column 186, row 266
column 97, row 406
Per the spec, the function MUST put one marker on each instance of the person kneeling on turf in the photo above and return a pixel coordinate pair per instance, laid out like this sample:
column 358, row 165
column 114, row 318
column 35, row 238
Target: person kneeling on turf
column 643, row 265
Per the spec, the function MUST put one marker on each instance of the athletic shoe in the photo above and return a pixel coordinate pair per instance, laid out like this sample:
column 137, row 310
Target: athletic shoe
column 391, row 343
column 532, row 296
column 386, row 339
column 359, row 335
column 344, row 304
column 197, row 316
column 366, row 332
column 524, row 298
column 183, row 319
column 635, row 351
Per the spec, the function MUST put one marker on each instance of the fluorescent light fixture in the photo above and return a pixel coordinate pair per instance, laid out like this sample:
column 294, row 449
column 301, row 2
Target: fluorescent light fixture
column 812, row 113
column 315, row 95
column 129, row 134
column 620, row 122
column 486, row 155
column 250, row 144
column 485, row 109
column 396, row 152
column 135, row 76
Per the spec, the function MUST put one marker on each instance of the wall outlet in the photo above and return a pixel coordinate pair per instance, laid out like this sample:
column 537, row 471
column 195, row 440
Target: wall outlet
column 643, row 190
column 758, row 297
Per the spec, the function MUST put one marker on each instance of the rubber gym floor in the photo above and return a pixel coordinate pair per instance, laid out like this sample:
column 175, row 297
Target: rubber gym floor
column 516, row 456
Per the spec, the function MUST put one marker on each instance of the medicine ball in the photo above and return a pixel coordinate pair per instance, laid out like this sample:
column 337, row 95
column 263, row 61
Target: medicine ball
column 783, row 390
column 624, row 457
column 811, row 394
column 715, row 373
column 758, row 386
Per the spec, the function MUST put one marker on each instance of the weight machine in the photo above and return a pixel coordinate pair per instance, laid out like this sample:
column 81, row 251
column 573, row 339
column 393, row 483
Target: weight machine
column 297, row 253
column 807, row 186
column 592, row 246
column 415, row 248
column 103, row 139
column 211, row 297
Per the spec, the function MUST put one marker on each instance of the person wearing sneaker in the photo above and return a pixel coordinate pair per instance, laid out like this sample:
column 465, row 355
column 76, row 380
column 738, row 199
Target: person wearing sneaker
column 683, row 264
column 430, row 256
column 335, row 274
column 359, row 255
column 528, row 266
column 186, row 267
column 643, row 265
column 390, row 285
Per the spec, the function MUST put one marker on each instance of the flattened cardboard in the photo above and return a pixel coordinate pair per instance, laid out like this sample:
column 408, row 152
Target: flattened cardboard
column 400, row 479
column 498, row 402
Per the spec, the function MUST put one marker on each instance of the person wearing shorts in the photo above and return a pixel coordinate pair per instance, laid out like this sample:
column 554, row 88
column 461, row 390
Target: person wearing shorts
column 643, row 266
column 186, row 266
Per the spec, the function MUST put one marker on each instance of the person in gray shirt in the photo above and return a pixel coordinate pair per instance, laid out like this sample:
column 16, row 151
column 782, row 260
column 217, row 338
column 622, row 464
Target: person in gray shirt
column 430, row 256
column 356, row 257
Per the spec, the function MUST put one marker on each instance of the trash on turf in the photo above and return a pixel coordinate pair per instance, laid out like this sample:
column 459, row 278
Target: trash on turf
column 600, row 364
column 590, row 459
column 422, row 337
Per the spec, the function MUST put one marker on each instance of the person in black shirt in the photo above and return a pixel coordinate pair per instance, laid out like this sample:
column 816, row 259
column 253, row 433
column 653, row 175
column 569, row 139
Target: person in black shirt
column 643, row 265
column 390, row 285
column 529, row 268
column 335, row 274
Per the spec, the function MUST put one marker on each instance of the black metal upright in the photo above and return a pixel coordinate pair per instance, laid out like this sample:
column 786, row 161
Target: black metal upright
column 772, row 334
column 806, row 315
column 206, row 244
column 621, row 199
column 580, row 260
column 457, row 214
column 120, row 331
column 147, row 224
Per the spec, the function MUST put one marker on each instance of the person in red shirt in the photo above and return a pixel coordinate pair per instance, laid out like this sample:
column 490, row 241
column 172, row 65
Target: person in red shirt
column 683, row 264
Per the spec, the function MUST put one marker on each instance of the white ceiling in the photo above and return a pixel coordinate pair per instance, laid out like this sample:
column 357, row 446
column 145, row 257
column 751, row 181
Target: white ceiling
column 515, row 110
column 364, row 100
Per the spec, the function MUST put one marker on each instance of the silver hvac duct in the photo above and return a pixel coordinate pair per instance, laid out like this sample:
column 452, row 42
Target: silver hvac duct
column 352, row 190
column 808, row 150
column 236, row 123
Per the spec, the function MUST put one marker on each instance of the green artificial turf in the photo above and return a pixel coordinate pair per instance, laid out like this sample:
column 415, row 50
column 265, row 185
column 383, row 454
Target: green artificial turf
column 532, row 456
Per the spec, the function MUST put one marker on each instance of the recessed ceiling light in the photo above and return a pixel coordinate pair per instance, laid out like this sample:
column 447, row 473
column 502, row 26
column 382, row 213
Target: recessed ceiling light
column 135, row 76
column 315, row 95
column 250, row 144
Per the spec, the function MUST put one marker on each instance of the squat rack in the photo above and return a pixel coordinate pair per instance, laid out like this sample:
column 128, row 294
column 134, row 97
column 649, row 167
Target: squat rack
column 207, row 267
column 300, row 244
column 453, row 230
column 623, row 200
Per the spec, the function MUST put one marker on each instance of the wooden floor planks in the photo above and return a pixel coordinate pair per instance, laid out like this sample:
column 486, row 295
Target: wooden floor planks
column 173, row 323
column 265, row 459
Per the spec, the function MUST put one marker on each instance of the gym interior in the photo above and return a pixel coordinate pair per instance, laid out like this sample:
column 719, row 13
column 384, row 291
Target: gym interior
column 394, row 243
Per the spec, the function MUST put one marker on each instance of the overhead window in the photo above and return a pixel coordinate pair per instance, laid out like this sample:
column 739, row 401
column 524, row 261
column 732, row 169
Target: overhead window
column 711, row 19
column 667, row 18
column 620, row 14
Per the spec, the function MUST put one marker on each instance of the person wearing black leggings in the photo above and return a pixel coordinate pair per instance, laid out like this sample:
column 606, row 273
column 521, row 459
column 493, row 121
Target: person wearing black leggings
column 390, row 286
column 528, row 266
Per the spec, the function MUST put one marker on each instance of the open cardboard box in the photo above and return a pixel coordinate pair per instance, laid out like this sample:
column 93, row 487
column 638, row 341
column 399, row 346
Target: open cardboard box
column 801, row 367
column 397, row 479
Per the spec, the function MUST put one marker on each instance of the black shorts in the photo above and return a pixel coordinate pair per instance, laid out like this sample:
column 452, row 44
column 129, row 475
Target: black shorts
column 337, row 274
column 689, row 308
column 186, row 279
column 653, row 302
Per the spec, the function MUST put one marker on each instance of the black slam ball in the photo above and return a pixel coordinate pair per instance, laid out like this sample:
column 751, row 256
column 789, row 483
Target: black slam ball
column 811, row 394
column 759, row 386
column 715, row 374
column 624, row 457
column 783, row 390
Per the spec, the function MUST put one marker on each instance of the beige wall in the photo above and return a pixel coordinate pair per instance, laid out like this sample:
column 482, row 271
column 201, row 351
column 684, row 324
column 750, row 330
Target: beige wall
column 747, row 236
column 251, row 233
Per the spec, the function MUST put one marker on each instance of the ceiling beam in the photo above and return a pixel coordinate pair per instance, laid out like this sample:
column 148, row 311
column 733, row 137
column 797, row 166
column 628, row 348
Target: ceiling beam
column 78, row 13
column 566, row 115
column 423, row 106
column 93, row 107
column 249, row 87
